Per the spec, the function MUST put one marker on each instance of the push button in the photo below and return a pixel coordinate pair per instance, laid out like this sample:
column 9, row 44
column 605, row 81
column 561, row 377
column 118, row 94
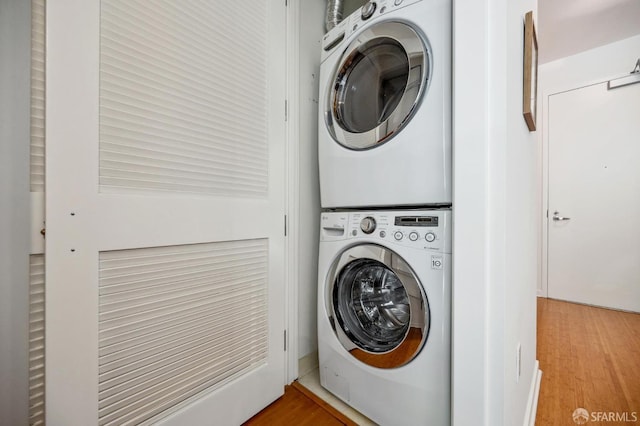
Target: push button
column 398, row 235
column 413, row 236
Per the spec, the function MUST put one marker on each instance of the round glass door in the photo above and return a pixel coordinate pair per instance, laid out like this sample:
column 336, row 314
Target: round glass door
column 377, row 86
column 378, row 308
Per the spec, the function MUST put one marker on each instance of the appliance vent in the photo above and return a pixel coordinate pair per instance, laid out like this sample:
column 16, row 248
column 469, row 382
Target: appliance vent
column 176, row 321
column 182, row 105
column 37, row 94
column 36, row 340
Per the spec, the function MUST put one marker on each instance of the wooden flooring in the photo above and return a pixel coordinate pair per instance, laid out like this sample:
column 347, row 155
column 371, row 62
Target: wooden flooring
column 590, row 358
column 299, row 407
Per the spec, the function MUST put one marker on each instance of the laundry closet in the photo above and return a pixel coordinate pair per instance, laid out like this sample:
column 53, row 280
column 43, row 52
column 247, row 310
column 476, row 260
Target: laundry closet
column 180, row 279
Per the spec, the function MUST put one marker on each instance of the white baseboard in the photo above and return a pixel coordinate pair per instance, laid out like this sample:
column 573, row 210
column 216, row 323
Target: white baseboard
column 534, row 392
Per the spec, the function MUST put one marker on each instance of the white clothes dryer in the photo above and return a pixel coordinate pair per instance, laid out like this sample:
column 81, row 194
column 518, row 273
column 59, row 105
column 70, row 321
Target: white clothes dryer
column 384, row 313
column 385, row 107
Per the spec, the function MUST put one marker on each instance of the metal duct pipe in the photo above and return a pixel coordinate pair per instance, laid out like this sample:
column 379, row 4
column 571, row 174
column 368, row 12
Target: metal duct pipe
column 334, row 13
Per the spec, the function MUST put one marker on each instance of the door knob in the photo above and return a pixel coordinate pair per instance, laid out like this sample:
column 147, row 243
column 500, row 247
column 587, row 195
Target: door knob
column 558, row 218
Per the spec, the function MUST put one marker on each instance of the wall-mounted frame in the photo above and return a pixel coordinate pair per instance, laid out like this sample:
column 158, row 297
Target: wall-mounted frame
column 530, row 81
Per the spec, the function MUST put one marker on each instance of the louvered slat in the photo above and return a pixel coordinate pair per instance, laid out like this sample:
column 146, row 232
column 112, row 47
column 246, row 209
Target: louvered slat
column 36, row 339
column 176, row 321
column 181, row 106
column 37, row 94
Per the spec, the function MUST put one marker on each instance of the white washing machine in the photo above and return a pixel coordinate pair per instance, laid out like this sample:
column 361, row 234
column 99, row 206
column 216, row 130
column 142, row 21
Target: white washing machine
column 385, row 107
column 384, row 316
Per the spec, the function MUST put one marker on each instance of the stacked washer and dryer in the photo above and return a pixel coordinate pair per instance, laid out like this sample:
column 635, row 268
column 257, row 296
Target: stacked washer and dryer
column 384, row 294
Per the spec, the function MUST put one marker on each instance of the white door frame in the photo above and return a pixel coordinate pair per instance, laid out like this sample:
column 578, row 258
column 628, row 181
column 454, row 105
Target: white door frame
column 293, row 188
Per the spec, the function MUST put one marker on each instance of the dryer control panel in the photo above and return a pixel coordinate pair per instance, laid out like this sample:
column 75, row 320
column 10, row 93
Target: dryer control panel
column 420, row 229
column 368, row 12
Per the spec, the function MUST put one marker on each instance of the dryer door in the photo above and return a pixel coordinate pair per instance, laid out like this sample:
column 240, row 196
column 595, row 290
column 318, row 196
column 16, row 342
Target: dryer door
column 377, row 306
column 379, row 81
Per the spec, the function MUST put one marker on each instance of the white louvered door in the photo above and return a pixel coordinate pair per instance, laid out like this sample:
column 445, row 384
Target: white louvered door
column 165, row 208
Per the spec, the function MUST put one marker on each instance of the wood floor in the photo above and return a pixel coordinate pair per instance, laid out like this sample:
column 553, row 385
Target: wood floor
column 590, row 358
column 298, row 406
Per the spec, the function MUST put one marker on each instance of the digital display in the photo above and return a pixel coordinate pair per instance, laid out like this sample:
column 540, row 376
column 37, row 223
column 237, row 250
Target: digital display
column 416, row 221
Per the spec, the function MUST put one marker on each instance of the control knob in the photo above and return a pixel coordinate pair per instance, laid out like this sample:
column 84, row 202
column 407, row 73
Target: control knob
column 367, row 10
column 368, row 225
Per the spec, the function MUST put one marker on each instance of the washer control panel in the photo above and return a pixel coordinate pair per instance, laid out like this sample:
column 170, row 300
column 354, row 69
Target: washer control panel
column 420, row 229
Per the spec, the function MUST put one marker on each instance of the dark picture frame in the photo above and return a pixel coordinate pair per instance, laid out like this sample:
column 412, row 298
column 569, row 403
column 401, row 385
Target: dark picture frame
column 530, row 80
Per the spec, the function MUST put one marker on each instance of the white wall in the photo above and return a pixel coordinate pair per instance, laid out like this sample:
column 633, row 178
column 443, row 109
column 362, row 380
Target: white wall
column 470, row 375
column 15, row 42
column 589, row 67
column 592, row 66
column 495, row 207
column 521, row 211
column 311, row 31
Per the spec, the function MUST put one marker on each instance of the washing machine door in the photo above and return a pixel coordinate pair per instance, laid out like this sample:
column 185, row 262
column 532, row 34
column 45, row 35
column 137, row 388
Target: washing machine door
column 377, row 307
column 377, row 86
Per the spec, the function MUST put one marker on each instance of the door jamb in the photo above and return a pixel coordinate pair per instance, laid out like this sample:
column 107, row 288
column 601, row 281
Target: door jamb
column 292, row 191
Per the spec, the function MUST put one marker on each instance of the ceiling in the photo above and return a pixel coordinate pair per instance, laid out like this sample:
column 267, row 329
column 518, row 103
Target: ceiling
column 567, row 27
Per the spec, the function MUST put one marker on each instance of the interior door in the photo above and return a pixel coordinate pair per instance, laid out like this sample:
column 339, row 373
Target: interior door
column 165, row 208
column 594, row 196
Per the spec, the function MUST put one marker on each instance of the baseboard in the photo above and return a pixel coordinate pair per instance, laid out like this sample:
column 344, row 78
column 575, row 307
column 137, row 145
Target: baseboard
column 534, row 392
